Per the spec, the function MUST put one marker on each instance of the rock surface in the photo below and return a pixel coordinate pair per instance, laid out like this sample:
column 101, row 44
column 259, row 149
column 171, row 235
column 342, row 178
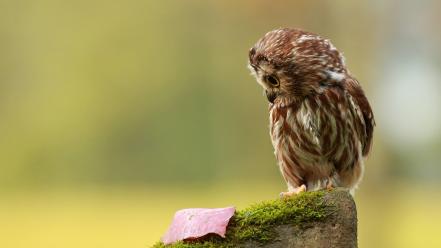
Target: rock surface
column 339, row 229
column 312, row 219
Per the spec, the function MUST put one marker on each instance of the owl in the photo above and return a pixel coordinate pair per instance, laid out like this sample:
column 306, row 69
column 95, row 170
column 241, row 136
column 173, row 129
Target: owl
column 321, row 123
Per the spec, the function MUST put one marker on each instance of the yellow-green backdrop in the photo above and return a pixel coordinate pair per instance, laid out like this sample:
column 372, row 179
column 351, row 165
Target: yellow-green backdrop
column 114, row 114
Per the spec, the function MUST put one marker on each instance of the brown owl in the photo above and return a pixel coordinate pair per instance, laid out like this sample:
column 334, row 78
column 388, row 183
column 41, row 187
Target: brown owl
column 321, row 123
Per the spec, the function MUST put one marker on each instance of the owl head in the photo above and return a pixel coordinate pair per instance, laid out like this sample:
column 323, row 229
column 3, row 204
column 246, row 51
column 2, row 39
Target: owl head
column 291, row 64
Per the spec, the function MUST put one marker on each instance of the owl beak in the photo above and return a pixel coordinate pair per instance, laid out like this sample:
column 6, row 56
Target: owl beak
column 270, row 95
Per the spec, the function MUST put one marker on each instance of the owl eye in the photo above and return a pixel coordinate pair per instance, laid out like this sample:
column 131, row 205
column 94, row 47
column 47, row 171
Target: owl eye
column 272, row 80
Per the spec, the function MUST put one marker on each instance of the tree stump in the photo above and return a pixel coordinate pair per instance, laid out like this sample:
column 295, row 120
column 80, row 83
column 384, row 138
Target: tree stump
column 311, row 219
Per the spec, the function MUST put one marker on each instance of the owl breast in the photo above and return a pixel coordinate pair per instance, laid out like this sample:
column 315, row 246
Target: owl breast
column 317, row 143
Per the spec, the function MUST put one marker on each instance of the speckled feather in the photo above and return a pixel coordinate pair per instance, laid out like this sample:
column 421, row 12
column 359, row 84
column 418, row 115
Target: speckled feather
column 321, row 123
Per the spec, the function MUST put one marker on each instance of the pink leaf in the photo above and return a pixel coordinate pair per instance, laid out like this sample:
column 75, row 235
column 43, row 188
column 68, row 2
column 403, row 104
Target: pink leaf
column 194, row 223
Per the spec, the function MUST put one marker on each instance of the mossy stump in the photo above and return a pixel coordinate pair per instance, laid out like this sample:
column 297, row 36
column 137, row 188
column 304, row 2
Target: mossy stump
column 312, row 219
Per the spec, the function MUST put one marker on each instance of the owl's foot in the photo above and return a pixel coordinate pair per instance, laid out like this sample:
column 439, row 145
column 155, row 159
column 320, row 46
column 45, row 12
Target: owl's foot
column 295, row 191
column 329, row 185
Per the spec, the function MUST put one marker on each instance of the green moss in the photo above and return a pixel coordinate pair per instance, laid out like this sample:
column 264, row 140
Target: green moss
column 256, row 222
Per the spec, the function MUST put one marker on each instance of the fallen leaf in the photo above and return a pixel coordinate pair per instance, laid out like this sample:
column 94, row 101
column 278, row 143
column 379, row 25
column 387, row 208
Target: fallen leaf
column 193, row 223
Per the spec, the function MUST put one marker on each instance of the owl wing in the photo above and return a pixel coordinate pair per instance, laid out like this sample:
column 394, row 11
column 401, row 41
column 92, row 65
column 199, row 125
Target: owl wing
column 361, row 106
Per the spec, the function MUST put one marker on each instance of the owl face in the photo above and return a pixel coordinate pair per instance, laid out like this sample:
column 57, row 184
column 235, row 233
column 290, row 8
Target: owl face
column 292, row 64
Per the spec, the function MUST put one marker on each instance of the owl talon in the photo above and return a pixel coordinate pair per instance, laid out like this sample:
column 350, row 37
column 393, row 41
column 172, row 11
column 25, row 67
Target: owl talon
column 330, row 186
column 294, row 192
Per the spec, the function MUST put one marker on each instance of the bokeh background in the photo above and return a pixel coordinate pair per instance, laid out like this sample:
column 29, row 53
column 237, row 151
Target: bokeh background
column 115, row 114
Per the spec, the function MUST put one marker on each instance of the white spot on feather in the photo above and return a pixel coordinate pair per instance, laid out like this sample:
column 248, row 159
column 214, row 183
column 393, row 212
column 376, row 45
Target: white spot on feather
column 336, row 76
column 306, row 37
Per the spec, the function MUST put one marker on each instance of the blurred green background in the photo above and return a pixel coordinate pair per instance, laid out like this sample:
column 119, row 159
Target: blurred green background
column 115, row 114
